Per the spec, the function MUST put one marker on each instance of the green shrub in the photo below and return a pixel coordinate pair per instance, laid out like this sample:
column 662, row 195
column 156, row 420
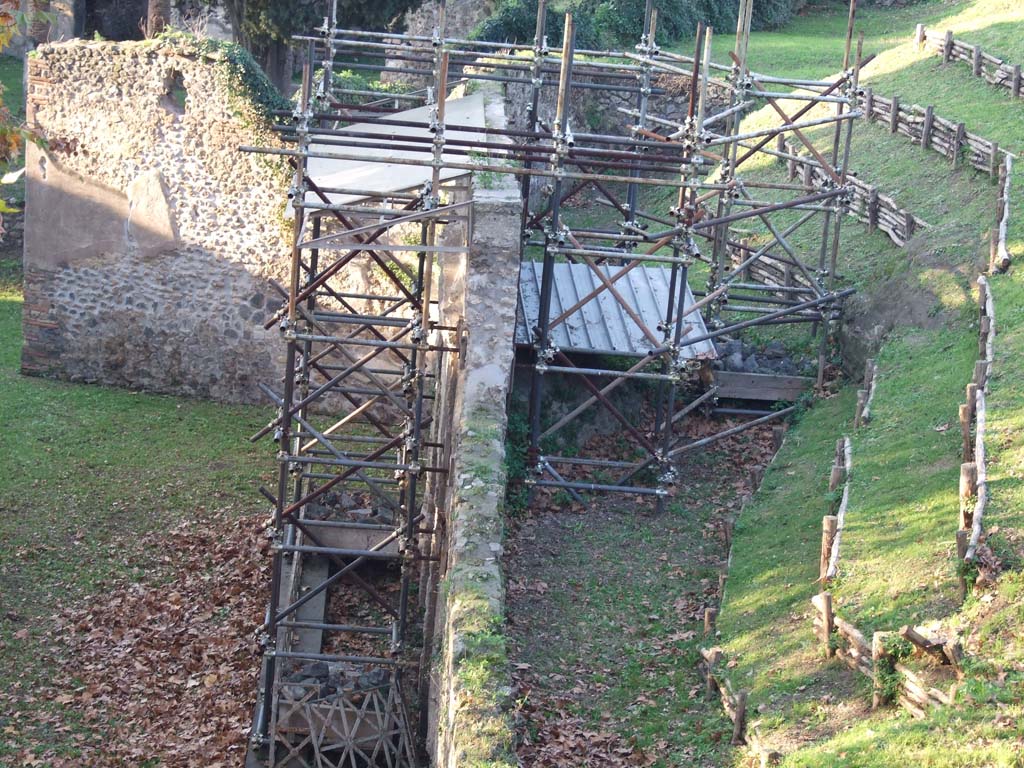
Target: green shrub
column 515, row 21
column 609, row 23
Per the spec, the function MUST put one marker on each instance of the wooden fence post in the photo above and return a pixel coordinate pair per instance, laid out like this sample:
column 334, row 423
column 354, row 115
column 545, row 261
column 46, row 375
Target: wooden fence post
column 862, row 400
column 829, row 524
column 778, row 435
column 967, row 450
column 919, row 35
column 739, row 724
column 894, row 114
column 709, row 621
column 780, row 146
column 877, row 657
column 981, row 373
column 713, row 657
column 986, row 326
column 968, row 490
column 993, row 163
column 826, row 621
column 976, row 60
column 926, row 129
column 961, row 552
column 1015, row 81
column 872, row 209
column 947, row 46
column 869, row 104
column 908, row 226
column 958, row 142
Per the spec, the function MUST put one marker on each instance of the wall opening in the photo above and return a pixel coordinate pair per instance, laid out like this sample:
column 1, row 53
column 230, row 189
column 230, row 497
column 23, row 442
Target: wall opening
column 175, row 94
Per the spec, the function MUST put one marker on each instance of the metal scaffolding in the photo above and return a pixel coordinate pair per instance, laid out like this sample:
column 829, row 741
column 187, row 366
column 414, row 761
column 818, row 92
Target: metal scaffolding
column 366, row 398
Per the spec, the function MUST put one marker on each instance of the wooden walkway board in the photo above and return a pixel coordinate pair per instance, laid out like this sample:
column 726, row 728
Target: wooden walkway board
column 761, row 386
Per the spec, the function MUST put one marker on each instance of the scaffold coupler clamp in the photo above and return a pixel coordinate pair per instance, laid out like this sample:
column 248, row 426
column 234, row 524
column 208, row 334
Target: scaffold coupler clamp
column 667, row 479
column 545, row 357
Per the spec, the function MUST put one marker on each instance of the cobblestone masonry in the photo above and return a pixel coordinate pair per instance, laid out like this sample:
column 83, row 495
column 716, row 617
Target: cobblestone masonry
column 150, row 246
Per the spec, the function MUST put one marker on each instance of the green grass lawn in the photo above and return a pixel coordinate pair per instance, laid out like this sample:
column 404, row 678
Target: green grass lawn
column 92, row 479
column 898, row 560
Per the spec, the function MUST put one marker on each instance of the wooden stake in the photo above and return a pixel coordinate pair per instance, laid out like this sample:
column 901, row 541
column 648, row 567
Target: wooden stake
column 872, row 209
column 954, row 652
column 958, row 142
column 981, row 373
column 877, row 657
column 894, row 114
column 739, row 723
column 986, row 327
column 967, row 450
column 827, row 621
column 712, row 659
column 919, row 35
column 862, row 399
column 1015, row 81
column 976, row 60
column 926, row 130
column 829, row 525
column 869, row 104
column 709, row 621
column 968, row 490
column 947, row 46
column 962, row 538
column 778, row 435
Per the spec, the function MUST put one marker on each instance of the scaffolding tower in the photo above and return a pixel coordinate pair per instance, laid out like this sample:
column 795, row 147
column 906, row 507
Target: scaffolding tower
column 366, row 398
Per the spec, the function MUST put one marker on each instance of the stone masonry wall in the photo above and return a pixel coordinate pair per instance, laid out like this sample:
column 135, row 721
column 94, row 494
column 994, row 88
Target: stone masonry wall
column 470, row 725
column 150, row 240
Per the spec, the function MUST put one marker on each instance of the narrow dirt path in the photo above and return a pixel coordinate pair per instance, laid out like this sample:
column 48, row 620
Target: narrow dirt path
column 606, row 611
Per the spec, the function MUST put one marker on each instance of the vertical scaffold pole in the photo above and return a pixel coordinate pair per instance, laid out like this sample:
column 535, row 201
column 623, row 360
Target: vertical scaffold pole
column 542, row 350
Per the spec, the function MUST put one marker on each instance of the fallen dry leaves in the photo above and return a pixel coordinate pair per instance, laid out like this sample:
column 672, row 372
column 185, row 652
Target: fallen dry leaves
column 164, row 673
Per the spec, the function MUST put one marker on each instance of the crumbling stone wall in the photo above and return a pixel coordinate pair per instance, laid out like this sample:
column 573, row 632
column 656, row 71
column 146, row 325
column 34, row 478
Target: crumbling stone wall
column 469, row 707
column 150, row 241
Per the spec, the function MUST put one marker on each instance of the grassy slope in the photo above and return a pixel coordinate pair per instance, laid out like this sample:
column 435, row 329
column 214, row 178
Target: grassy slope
column 898, row 564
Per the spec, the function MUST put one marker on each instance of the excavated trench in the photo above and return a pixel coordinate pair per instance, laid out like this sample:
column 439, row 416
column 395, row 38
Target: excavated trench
column 606, row 608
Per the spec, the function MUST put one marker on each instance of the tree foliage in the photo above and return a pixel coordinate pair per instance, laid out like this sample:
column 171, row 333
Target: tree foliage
column 609, row 23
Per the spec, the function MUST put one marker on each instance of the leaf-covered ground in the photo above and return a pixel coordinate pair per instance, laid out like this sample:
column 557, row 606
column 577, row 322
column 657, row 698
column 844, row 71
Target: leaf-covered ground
column 606, row 609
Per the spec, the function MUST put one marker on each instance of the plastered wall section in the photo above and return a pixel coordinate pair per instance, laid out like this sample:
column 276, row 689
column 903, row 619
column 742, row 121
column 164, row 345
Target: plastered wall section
column 469, row 707
column 150, row 241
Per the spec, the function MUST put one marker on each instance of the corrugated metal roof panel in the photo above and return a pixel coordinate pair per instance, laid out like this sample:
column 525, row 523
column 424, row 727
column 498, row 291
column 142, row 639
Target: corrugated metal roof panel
column 602, row 324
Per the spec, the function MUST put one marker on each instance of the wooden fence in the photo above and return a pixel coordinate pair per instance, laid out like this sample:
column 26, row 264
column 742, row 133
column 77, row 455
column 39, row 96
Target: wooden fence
column 716, row 682
column 892, row 680
column 973, row 413
column 866, row 396
column 990, row 68
column 921, row 125
column 866, row 203
column 832, row 524
column 1000, row 253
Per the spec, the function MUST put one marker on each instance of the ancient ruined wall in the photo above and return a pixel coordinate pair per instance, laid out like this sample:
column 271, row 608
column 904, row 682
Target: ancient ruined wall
column 469, row 701
column 149, row 240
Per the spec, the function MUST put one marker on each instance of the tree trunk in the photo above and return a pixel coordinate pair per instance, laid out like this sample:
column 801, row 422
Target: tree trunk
column 157, row 17
column 276, row 63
